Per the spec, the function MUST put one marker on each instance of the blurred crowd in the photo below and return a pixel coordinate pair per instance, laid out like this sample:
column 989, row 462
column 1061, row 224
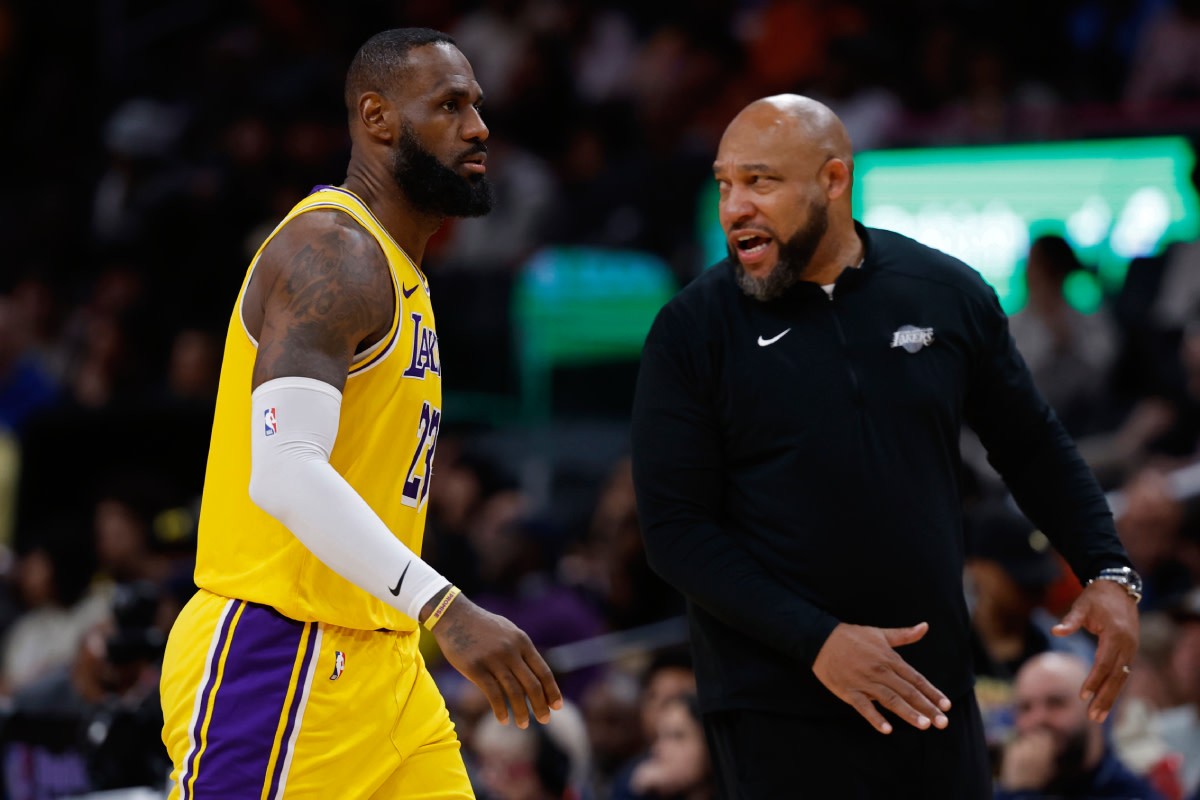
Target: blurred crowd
column 150, row 146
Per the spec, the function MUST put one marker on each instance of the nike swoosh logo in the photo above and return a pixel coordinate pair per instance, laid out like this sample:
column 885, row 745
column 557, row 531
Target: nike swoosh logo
column 764, row 342
column 396, row 591
column 406, row 291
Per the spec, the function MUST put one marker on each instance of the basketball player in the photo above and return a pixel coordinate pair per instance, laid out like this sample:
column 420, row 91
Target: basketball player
column 294, row 671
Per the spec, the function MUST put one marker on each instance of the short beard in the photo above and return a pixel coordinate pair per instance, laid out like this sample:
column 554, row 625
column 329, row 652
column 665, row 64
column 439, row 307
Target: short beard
column 795, row 256
column 434, row 188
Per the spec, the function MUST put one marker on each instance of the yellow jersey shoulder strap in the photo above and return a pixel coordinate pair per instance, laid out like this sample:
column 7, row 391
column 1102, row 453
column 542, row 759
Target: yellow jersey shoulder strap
column 333, row 198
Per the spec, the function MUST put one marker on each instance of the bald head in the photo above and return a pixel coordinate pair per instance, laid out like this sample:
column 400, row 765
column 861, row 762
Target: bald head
column 1057, row 669
column 784, row 171
column 1046, row 695
column 799, row 122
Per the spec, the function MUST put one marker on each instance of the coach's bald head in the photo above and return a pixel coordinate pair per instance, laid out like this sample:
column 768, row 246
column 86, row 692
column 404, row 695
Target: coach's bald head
column 784, row 169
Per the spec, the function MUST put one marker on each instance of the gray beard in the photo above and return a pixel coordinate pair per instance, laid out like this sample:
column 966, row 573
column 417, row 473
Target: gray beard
column 795, row 256
column 769, row 287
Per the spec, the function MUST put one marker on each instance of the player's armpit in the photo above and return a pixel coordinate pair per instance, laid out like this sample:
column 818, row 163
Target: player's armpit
column 325, row 291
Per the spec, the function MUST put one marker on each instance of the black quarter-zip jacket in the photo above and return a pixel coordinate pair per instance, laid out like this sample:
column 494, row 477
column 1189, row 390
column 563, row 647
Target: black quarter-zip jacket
column 797, row 465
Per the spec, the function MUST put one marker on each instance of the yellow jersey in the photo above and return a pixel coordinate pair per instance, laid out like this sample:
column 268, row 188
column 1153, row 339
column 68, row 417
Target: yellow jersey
column 387, row 436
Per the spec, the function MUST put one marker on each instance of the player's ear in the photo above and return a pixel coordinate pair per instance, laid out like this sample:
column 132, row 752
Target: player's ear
column 377, row 116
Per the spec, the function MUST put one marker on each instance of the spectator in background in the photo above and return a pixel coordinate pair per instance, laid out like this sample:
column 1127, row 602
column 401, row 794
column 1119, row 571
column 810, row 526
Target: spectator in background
column 25, row 386
column 670, row 674
column 787, row 40
column 1010, row 566
column 679, row 767
column 1149, row 523
column 51, row 578
column 108, row 688
column 851, row 86
column 141, row 177
column 1058, row 751
column 543, row 762
column 103, row 354
column 1179, row 726
column 494, row 36
column 194, row 366
column 123, row 525
column 1180, row 442
column 1165, row 67
column 40, row 308
column 1152, row 709
column 1157, row 375
column 613, row 717
column 611, row 564
column 1069, row 353
column 1187, row 550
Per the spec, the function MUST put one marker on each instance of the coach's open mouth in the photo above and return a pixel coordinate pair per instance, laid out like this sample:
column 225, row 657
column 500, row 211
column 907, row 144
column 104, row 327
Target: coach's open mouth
column 751, row 246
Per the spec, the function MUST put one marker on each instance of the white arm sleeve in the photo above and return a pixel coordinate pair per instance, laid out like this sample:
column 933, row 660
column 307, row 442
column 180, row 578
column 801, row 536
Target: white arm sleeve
column 292, row 480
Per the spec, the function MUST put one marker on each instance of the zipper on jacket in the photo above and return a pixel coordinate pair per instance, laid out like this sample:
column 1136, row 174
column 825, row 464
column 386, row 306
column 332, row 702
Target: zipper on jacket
column 855, row 386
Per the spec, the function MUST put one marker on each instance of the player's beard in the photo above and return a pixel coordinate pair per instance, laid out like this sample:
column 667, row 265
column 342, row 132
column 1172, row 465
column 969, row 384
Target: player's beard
column 435, row 188
column 795, row 256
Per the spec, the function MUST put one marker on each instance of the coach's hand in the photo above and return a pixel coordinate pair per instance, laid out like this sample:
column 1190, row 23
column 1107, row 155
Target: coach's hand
column 1107, row 610
column 498, row 657
column 861, row 667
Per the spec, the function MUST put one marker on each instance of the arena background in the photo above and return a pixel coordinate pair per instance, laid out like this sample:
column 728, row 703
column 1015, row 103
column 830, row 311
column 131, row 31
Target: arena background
column 149, row 146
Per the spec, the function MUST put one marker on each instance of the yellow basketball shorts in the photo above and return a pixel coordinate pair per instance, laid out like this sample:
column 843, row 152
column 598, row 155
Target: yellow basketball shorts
column 261, row 707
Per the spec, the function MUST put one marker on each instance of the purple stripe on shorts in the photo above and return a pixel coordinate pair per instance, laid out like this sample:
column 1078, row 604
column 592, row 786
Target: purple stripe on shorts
column 248, row 705
column 206, row 693
column 297, row 699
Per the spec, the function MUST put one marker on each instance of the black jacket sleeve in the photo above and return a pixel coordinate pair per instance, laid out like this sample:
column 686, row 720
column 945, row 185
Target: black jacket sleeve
column 1035, row 455
column 678, row 475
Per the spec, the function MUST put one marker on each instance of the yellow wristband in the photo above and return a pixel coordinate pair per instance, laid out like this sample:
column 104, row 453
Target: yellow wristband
column 438, row 612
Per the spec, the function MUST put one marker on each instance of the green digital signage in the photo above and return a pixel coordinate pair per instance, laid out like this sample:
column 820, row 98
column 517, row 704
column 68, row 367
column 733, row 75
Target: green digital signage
column 1113, row 200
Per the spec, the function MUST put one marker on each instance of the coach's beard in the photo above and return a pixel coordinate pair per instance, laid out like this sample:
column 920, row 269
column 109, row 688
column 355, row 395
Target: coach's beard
column 433, row 187
column 795, row 256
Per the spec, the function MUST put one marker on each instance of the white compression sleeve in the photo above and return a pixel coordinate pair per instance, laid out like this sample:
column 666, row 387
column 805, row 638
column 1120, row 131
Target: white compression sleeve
column 292, row 480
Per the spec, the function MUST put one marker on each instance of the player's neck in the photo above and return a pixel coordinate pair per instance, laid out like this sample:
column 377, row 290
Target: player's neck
column 410, row 228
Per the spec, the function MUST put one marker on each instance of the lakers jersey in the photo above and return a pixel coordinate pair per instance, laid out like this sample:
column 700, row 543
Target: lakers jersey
column 391, row 413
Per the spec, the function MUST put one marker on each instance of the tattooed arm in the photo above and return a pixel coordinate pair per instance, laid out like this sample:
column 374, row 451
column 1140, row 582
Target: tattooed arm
column 322, row 291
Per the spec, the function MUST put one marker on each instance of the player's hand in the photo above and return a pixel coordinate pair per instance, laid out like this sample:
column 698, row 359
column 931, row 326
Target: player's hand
column 498, row 657
column 1107, row 610
column 1028, row 763
column 861, row 667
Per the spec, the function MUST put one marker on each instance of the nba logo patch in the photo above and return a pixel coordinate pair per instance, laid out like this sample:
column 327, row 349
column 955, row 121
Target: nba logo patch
column 271, row 427
column 339, row 664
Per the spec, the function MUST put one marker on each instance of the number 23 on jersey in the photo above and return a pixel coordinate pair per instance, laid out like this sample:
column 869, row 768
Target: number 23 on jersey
column 416, row 486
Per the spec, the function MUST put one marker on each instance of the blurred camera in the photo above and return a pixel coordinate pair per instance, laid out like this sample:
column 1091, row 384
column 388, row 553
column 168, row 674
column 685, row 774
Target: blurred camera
column 136, row 638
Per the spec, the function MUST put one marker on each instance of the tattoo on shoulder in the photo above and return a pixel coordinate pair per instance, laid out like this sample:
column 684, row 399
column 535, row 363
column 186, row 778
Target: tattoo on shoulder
column 334, row 292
